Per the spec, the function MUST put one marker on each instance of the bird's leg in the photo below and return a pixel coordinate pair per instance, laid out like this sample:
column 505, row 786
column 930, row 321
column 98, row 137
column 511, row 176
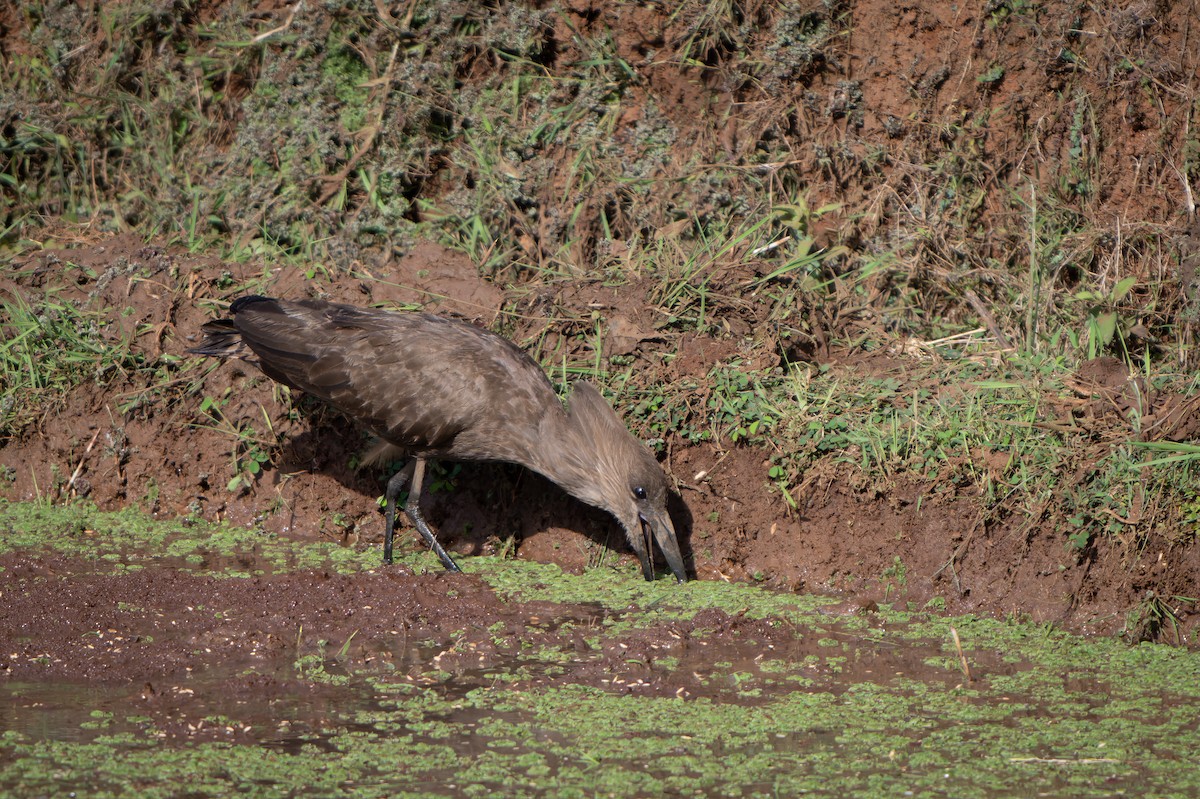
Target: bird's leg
column 416, row 470
column 394, row 487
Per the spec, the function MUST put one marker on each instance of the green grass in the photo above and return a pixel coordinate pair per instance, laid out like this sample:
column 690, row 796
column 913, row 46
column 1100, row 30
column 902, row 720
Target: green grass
column 999, row 429
column 49, row 346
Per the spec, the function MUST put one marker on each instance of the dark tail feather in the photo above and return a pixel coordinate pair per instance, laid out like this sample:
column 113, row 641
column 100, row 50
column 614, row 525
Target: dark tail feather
column 242, row 303
column 221, row 340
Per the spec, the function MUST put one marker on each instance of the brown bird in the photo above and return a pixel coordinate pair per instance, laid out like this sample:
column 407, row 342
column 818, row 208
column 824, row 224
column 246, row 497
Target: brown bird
column 438, row 388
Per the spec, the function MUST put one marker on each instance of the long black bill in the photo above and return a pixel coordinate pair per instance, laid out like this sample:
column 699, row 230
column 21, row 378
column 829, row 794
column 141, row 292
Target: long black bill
column 663, row 533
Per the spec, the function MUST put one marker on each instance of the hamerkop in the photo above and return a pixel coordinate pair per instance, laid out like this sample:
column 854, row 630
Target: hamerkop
column 437, row 388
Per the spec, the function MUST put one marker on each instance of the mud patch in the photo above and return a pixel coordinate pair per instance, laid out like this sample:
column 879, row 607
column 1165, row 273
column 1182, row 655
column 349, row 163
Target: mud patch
column 131, row 672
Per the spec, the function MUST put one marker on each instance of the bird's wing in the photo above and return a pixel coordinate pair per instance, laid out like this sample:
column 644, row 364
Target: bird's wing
column 422, row 382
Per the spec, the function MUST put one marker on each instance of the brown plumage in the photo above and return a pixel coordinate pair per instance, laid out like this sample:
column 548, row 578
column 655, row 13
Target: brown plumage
column 437, row 388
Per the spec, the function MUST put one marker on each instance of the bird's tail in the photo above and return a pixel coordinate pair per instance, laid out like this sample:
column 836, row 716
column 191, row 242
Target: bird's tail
column 221, row 340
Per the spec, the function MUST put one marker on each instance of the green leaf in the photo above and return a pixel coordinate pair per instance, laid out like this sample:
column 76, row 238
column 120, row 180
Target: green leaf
column 1122, row 288
column 1105, row 327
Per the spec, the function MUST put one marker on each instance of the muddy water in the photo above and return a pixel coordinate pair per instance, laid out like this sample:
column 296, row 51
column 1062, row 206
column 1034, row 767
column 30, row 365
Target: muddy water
column 239, row 665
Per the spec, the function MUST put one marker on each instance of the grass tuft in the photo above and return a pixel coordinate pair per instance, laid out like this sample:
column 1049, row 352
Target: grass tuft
column 48, row 346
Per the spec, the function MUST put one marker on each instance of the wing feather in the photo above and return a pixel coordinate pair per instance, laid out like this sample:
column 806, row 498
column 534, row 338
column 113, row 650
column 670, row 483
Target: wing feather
column 421, row 382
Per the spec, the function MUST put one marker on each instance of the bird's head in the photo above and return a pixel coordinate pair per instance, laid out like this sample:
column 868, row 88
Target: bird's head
column 609, row 468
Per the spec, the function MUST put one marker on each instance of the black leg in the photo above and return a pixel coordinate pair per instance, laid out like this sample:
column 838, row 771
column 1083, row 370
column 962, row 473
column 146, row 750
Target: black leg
column 394, row 487
column 414, row 470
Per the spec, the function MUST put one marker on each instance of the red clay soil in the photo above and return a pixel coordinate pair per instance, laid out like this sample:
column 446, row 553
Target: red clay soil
column 917, row 67
column 166, row 458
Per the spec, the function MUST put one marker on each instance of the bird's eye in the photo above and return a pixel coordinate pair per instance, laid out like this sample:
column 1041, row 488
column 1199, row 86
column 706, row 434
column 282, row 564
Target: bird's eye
column 639, row 492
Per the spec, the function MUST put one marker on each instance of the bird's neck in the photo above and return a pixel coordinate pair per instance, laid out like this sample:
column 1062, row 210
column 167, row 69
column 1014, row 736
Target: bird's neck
column 570, row 456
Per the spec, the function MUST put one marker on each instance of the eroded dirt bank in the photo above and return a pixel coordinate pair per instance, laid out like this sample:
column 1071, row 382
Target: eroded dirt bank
column 682, row 198
column 140, row 438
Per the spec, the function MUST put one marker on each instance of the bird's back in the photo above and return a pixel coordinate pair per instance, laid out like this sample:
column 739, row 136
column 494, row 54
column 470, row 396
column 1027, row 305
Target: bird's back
column 427, row 384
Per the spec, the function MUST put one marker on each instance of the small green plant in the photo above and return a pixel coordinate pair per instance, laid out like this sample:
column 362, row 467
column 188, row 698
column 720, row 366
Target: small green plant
column 780, row 476
column 344, row 652
column 894, row 576
column 740, row 406
column 1001, row 11
column 251, row 453
column 101, row 719
column 249, row 464
column 993, row 74
column 897, row 572
column 442, row 478
column 1154, row 616
column 1103, row 326
column 314, row 668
